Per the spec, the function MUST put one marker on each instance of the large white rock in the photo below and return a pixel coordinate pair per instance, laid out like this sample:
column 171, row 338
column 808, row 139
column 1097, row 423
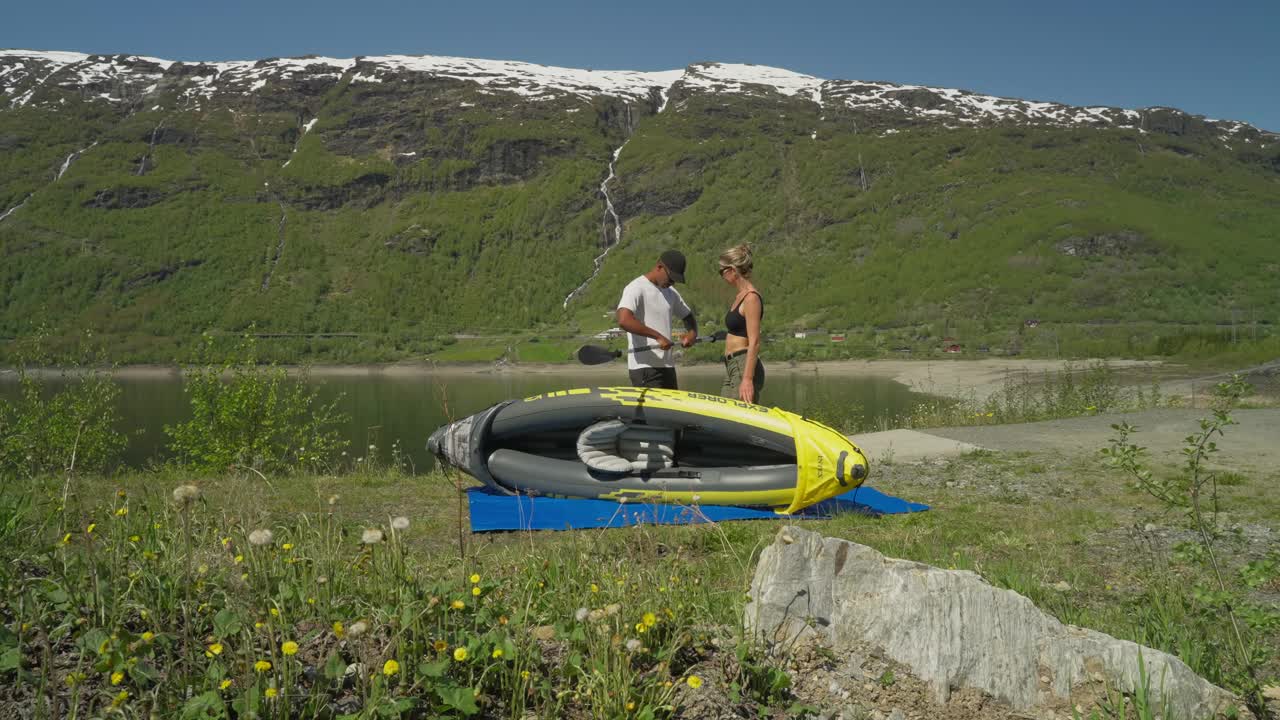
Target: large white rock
column 953, row 630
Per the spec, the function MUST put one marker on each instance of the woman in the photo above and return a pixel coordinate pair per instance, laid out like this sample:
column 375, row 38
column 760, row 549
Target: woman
column 744, row 373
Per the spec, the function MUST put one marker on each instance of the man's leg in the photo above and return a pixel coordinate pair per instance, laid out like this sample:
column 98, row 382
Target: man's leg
column 654, row 377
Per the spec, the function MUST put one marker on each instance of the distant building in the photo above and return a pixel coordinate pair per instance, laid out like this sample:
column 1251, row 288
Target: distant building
column 801, row 334
column 610, row 334
column 837, row 337
column 952, row 348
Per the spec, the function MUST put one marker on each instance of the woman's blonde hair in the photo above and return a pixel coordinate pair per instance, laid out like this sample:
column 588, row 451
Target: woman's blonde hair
column 738, row 257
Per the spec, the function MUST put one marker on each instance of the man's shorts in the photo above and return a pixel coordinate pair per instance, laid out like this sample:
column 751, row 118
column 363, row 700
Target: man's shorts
column 654, row 377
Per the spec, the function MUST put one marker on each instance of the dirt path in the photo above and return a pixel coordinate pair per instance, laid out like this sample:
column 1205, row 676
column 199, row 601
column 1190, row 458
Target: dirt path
column 1252, row 445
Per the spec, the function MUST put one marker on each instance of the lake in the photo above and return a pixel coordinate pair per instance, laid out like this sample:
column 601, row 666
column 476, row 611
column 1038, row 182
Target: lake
column 406, row 405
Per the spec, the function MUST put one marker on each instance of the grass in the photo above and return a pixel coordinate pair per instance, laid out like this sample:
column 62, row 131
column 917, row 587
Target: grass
column 124, row 579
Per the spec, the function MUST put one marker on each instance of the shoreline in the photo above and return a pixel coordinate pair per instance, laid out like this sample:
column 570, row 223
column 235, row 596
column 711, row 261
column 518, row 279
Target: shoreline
column 953, row 378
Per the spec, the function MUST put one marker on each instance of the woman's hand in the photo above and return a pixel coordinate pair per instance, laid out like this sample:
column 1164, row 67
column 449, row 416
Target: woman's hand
column 747, row 390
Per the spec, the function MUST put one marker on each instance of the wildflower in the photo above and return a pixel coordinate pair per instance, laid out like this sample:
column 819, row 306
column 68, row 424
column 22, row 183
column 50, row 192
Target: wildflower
column 135, row 538
column 338, row 631
column 286, row 547
column 271, row 693
column 261, row 666
column 120, row 699
column 239, row 559
column 260, row 537
column 460, row 654
column 497, row 653
column 66, row 539
column 595, row 588
column 475, row 578
column 640, row 628
column 89, row 530
column 502, row 620
column 581, row 614
column 216, row 648
column 457, row 604
column 274, row 612
column 289, row 648
column 186, row 494
column 311, row 601
column 224, row 684
column 524, row 674
column 476, row 591
column 143, row 613
column 649, row 619
column 400, row 523
column 121, row 493
column 226, row 542
column 633, row 645
column 390, row 667
column 357, row 629
column 148, row 636
column 440, row 646
column 122, row 511
column 694, row 681
column 117, row 677
column 371, row 536
column 258, row 625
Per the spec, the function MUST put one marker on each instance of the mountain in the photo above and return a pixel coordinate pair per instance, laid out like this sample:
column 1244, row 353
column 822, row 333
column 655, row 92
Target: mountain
column 397, row 199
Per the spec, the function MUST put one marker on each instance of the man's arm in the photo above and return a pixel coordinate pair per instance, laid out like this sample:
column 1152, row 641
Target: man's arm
column 691, row 330
column 628, row 321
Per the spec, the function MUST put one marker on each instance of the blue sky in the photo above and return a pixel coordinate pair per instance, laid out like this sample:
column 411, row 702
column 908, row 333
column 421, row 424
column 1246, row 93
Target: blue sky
column 1217, row 59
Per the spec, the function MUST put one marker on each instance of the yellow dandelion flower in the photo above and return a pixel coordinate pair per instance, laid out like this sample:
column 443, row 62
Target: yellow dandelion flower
column 121, row 493
column 148, row 636
column 135, row 538
column 457, row 604
column 524, row 674
column 289, row 648
column 595, row 588
column 66, row 539
column 631, row 706
column 640, row 628
column 460, row 654
column 440, row 646
column 89, row 530
column 239, row 559
column 694, row 681
column 261, row 666
column 271, row 693
column 476, row 591
column 117, row 677
column 649, row 619
column 120, row 699
column 390, row 667
column 502, row 620
column 258, row 625
column 226, row 541
column 224, row 684
column 216, row 648
column 121, row 512
column 311, row 601
column 274, row 612
column 475, row 578
column 338, row 630
column 287, row 546
column 155, row 526
column 143, row 613
column 497, row 653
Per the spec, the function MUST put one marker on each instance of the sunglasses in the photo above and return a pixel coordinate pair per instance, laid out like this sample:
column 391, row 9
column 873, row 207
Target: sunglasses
column 724, row 269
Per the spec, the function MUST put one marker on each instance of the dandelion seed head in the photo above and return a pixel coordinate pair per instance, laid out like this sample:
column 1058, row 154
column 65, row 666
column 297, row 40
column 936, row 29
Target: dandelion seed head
column 633, row 645
column 581, row 614
column 186, row 494
column 260, row 537
column 357, row 629
column 371, row 536
column 400, row 523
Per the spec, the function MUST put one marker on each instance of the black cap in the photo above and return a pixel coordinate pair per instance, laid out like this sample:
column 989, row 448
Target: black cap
column 673, row 261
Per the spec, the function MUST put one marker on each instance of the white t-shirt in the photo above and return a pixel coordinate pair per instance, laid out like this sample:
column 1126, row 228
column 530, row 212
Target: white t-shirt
column 653, row 306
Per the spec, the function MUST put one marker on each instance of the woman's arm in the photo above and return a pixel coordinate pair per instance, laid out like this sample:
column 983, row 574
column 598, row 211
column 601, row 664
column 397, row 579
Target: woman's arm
column 752, row 310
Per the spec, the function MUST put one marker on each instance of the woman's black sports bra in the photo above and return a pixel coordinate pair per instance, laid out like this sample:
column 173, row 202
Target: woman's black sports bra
column 734, row 322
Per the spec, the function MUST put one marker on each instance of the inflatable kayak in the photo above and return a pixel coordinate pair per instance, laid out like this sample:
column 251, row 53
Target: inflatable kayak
column 653, row 445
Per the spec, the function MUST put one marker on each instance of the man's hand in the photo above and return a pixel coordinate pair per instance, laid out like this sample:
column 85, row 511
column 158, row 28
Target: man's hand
column 689, row 338
column 664, row 342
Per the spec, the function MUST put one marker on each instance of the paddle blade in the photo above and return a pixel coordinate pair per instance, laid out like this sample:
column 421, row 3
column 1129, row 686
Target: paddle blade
column 596, row 355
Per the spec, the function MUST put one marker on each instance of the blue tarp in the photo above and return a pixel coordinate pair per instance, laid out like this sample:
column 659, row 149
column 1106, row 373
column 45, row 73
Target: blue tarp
column 491, row 510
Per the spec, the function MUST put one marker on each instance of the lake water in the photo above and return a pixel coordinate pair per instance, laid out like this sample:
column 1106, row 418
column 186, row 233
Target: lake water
column 383, row 407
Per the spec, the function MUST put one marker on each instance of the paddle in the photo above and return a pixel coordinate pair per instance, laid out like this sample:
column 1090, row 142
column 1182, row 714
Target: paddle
column 596, row 355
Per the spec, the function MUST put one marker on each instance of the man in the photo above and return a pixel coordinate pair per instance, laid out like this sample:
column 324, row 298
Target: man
column 648, row 303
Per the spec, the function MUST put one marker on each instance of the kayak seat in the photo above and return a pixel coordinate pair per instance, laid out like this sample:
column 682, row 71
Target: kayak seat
column 621, row 447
